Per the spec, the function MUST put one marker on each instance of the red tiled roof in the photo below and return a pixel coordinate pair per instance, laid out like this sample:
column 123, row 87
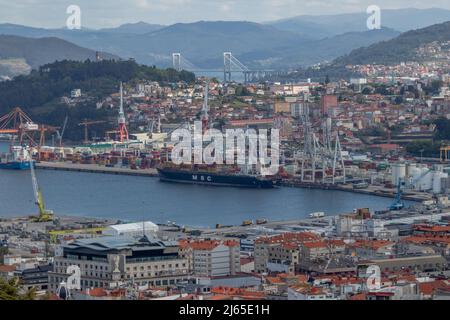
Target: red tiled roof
column 97, row 292
column 5, row 268
column 428, row 288
column 294, row 238
column 372, row 244
column 206, row 244
column 360, row 296
column 428, row 228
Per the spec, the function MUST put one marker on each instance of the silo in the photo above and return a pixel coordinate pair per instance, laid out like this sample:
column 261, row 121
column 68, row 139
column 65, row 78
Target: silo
column 398, row 172
column 438, row 177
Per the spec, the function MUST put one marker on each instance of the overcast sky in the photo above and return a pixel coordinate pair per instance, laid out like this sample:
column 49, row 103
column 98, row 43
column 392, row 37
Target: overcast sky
column 110, row 13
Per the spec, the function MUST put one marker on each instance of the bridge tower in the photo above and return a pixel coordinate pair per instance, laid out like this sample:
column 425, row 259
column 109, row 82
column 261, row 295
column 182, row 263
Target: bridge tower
column 227, row 63
column 176, row 61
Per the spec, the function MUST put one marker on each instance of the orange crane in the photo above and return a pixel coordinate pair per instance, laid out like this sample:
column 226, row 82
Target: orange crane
column 445, row 153
column 20, row 124
column 86, row 123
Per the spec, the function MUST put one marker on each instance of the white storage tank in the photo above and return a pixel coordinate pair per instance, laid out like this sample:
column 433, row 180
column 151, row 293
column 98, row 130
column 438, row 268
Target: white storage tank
column 425, row 181
column 437, row 181
column 398, row 173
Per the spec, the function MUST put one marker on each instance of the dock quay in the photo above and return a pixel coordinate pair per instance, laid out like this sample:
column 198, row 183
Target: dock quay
column 379, row 191
column 94, row 168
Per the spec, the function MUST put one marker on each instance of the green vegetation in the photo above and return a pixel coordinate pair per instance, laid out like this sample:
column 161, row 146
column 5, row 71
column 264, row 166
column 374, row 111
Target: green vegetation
column 432, row 148
column 39, row 93
column 3, row 251
column 442, row 129
column 11, row 290
column 424, row 148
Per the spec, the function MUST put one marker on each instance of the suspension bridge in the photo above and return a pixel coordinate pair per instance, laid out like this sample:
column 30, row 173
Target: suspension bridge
column 230, row 65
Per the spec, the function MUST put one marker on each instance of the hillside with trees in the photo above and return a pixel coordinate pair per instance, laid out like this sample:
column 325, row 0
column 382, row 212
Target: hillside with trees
column 40, row 93
column 399, row 49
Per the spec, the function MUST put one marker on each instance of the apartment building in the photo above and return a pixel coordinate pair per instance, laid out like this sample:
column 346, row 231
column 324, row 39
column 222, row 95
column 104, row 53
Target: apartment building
column 212, row 258
column 108, row 262
column 281, row 252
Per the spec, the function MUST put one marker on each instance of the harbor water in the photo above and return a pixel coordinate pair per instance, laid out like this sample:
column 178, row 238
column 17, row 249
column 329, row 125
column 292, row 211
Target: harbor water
column 133, row 198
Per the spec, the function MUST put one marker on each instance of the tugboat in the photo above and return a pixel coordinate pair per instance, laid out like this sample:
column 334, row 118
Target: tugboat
column 19, row 158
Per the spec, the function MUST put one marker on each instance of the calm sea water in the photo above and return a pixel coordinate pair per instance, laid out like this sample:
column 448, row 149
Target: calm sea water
column 136, row 198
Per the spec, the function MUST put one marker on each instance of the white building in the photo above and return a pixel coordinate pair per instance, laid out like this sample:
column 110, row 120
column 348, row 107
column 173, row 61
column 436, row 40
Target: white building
column 75, row 93
column 212, row 258
column 132, row 229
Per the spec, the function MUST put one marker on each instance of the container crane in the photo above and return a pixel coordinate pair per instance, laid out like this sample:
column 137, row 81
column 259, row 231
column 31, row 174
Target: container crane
column 123, row 131
column 44, row 215
column 18, row 123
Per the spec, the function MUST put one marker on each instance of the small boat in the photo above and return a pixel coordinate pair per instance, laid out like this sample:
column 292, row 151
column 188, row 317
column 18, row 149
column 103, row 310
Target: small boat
column 317, row 215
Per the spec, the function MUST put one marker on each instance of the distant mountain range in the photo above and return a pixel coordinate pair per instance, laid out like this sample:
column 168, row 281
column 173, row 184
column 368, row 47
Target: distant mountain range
column 134, row 28
column 332, row 25
column 20, row 54
column 290, row 43
column 399, row 49
column 203, row 43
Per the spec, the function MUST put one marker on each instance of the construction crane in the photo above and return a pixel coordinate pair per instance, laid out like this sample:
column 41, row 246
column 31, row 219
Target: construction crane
column 44, row 215
column 123, row 131
column 90, row 231
column 43, row 129
column 59, row 135
column 86, row 123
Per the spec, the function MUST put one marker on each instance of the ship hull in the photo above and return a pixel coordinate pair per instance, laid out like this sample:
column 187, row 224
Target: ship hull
column 214, row 179
column 15, row 165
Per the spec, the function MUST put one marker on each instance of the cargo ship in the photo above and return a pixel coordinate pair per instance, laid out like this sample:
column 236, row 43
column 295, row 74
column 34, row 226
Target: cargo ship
column 225, row 179
column 17, row 159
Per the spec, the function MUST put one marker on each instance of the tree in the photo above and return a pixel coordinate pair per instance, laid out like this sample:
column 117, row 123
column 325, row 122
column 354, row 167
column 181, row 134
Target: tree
column 11, row 290
column 3, row 251
column 398, row 100
column 442, row 129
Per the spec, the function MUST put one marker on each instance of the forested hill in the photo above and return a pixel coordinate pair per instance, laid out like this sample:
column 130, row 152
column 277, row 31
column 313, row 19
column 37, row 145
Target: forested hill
column 400, row 49
column 39, row 93
column 53, row 81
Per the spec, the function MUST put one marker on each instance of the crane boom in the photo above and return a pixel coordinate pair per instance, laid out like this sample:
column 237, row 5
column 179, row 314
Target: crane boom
column 44, row 215
column 34, row 182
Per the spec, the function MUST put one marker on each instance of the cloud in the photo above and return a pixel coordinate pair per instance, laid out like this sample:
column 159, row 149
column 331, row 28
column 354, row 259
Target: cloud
column 108, row 13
